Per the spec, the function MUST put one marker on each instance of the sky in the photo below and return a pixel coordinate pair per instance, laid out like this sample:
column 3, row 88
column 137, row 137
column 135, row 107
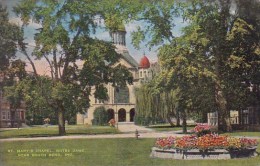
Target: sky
column 30, row 30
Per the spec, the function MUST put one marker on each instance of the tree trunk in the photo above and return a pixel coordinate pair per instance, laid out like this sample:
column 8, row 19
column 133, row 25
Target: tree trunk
column 61, row 121
column 31, row 62
column 184, row 122
column 257, row 109
column 221, row 52
column 178, row 121
column 224, row 123
column 170, row 121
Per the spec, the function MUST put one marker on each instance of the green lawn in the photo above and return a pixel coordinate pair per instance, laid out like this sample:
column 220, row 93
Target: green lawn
column 99, row 152
column 41, row 131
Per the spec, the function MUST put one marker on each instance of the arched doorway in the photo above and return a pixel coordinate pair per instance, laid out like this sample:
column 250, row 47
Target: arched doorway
column 132, row 114
column 121, row 115
column 110, row 114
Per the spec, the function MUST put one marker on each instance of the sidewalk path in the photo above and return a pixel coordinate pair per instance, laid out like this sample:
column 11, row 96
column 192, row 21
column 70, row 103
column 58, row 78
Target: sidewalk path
column 124, row 135
column 130, row 127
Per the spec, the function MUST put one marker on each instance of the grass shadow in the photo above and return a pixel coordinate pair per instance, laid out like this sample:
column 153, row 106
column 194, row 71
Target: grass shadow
column 168, row 126
column 184, row 133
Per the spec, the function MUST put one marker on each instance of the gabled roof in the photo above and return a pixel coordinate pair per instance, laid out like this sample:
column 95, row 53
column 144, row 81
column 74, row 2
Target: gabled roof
column 129, row 59
column 123, row 51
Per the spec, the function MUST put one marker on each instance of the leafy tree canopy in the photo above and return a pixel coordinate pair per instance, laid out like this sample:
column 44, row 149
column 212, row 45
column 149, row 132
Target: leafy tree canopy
column 10, row 36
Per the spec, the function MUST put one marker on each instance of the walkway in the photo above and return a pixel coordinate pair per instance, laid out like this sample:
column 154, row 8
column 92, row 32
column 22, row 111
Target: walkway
column 125, row 135
column 130, row 127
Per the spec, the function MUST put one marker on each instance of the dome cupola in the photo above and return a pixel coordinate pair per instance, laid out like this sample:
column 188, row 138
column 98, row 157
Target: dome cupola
column 144, row 63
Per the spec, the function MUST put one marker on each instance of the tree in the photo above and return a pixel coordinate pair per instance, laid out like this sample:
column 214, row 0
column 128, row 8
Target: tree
column 10, row 35
column 33, row 91
column 11, row 69
column 65, row 39
column 244, row 38
column 205, row 51
column 100, row 116
column 215, row 26
column 154, row 103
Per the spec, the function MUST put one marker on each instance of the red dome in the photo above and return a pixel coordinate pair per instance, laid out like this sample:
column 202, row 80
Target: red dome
column 144, row 63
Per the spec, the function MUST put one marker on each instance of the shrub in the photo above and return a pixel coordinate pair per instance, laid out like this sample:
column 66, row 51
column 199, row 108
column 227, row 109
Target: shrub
column 140, row 120
column 146, row 121
column 100, row 117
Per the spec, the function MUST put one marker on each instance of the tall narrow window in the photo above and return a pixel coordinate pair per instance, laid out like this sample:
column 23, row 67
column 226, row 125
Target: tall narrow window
column 8, row 115
column 4, row 115
column 121, row 95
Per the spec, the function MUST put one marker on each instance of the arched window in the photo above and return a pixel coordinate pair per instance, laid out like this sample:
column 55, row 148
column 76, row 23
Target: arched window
column 121, row 95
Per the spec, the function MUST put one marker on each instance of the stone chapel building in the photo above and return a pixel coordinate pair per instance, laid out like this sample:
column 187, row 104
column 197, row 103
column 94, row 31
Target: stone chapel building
column 121, row 103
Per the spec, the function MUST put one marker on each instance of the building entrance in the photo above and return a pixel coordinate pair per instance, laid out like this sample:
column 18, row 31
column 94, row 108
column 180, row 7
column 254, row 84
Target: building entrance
column 121, row 115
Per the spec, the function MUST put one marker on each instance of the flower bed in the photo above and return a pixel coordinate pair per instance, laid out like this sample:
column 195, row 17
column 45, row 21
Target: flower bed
column 204, row 146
